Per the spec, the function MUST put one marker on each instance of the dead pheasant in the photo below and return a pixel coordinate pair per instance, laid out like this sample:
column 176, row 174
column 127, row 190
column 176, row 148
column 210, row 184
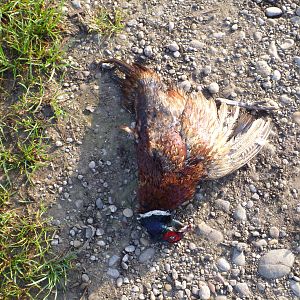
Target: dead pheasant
column 181, row 139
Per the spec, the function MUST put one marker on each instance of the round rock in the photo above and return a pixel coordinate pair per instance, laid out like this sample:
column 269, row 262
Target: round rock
column 296, row 117
column 130, row 248
column 92, row 165
column 213, row 88
column 127, row 212
column 273, row 12
column 173, row 47
column 148, row 51
column 276, row 263
column 274, row 232
column 185, row 85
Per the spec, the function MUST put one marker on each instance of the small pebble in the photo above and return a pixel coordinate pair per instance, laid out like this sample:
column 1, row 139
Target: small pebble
column 223, row 264
column 276, row 75
column 213, row 88
column 185, row 85
column 240, row 213
column 92, row 165
column 173, row 47
column 128, row 212
column 76, row 4
column 263, row 69
column 243, row 289
column 130, row 248
column 274, row 232
column 85, row 278
column 238, row 258
column 58, row 143
column 148, row 51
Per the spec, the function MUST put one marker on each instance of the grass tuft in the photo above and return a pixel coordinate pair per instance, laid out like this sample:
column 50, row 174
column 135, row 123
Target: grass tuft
column 30, row 34
column 22, row 140
column 30, row 51
column 107, row 23
column 27, row 267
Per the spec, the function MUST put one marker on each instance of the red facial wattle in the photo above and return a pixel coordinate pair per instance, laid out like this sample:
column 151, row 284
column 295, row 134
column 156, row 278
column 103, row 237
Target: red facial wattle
column 172, row 236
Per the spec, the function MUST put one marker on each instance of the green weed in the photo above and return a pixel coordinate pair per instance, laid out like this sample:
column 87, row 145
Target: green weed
column 30, row 34
column 107, row 23
column 30, row 48
column 27, row 267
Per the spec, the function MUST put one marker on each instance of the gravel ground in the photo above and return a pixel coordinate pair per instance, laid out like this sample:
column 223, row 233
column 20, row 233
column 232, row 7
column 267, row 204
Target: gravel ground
column 247, row 240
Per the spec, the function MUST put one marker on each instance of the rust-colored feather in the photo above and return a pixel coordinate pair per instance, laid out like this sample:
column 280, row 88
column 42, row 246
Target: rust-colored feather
column 181, row 139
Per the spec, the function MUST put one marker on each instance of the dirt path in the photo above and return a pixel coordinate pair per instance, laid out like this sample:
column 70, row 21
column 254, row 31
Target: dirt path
column 93, row 176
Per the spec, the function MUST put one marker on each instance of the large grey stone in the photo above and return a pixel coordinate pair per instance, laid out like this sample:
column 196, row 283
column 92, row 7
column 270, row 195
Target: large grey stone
column 209, row 233
column 276, row 263
column 295, row 287
column 146, row 255
column 113, row 273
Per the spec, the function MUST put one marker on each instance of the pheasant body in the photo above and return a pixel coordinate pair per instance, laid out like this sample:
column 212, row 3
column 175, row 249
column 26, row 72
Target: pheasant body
column 182, row 138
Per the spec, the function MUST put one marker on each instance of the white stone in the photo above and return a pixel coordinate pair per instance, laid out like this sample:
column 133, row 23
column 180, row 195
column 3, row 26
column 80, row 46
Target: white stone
column 173, row 47
column 92, row 165
column 148, row 51
column 296, row 118
column 209, row 233
column 185, row 85
column 223, row 264
column 273, row 50
column 287, row 44
column 276, row 75
column 130, row 248
column 240, row 213
column 127, row 212
column 204, row 292
column 273, row 11
column 297, row 61
column 171, row 26
column 176, row 54
column 276, row 263
column 285, row 99
column 197, row 44
column 238, row 258
column 58, row 143
column 263, row 69
column 213, row 88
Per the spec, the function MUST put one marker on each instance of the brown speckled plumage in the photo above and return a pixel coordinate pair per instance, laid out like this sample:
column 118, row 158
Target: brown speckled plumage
column 182, row 138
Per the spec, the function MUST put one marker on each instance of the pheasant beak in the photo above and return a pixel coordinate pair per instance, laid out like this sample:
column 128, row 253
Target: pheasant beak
column 187, row 228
